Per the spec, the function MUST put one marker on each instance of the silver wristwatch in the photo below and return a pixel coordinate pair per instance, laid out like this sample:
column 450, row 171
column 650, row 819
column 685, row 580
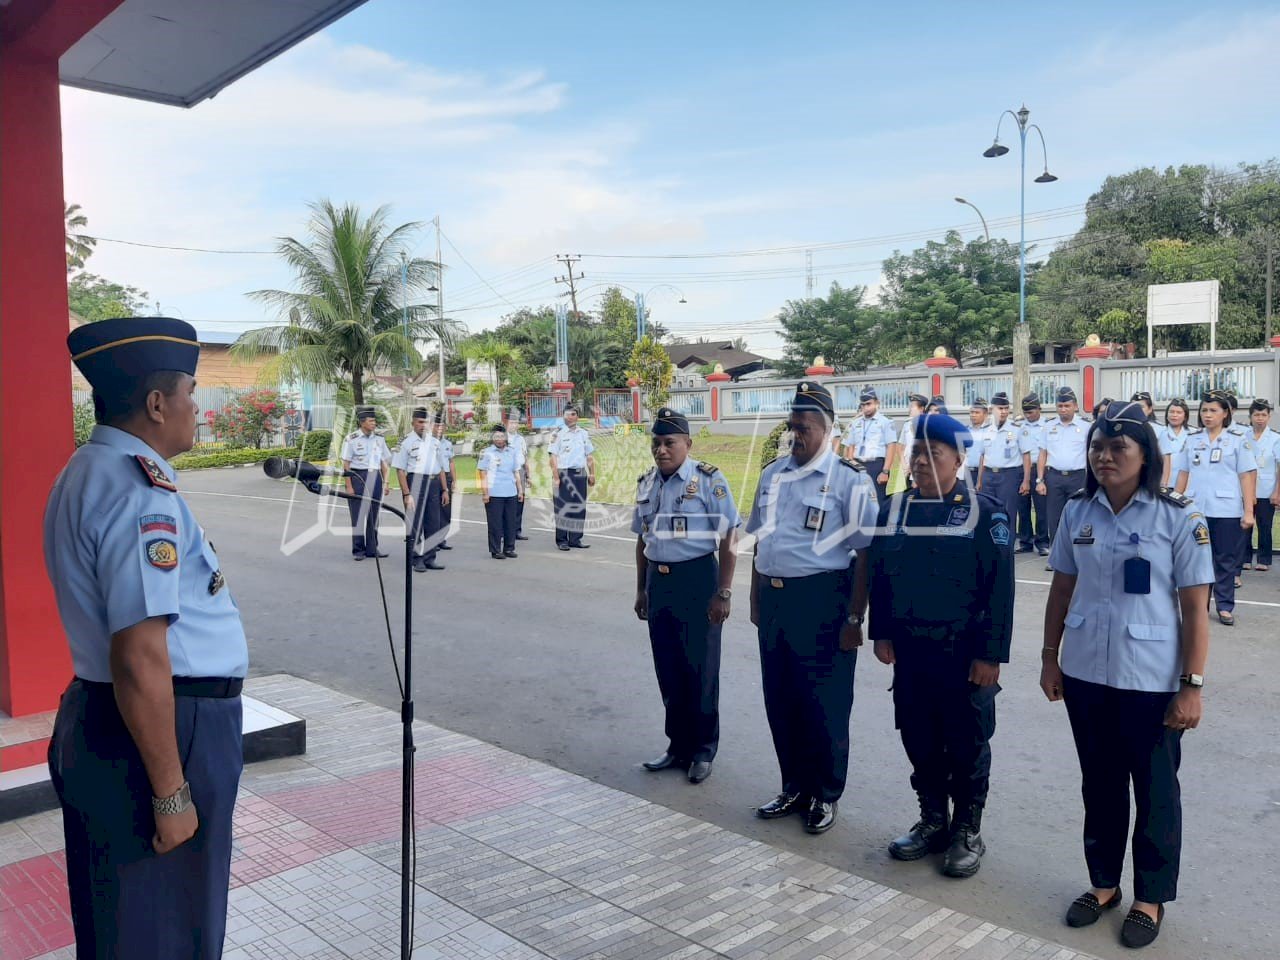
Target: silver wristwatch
column 724, row 593
column 856, row 619
column 174, row 805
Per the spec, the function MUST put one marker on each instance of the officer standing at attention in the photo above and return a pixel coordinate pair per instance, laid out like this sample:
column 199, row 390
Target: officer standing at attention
column 501, row 486
column 870, row 440
column 1127, row 614
column 686, row 550
column 1000, row 468
column 366, row 461
column 521, row 448
column 917, row 403
column 946, row 642
column 979, row 429
column 451, row 480
column 1060, row 467
column 420, row 470
column 574, row 469
column 1266, row 451
column 811, row 511
column 146, row 749
column 1173, row 437
column 1031, row 537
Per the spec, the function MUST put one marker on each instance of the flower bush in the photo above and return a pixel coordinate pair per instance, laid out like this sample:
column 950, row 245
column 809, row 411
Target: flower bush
column 248, row 420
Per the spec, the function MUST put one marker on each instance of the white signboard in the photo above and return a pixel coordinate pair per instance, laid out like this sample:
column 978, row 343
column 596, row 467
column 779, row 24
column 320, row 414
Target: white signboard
column 1173, row 304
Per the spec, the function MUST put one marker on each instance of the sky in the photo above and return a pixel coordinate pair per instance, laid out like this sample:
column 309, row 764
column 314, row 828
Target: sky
column 689, row 151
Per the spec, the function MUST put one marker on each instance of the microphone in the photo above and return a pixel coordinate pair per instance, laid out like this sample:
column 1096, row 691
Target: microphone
column 277, row 468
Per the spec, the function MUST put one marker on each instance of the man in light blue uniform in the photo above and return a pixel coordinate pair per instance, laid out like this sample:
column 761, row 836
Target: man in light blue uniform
column 870, row 439
column 501, row 486
column 521, row 447
column 451, row 479
column 366, row 461
column 1060, row 469
column 156, row 641
column 812, row 511
column 1266, row 450
column 1000, row 467
column 574, row 470
column 686, row 550
column 979, row 431
column 419, row 467
column 1032, row 534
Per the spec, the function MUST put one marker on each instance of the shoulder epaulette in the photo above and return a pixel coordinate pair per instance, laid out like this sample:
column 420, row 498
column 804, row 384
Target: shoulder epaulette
column 707, row 468
column 646, row 475
column 852, row 464
column 353, row 434
column 155, row 474
column 1174, row 497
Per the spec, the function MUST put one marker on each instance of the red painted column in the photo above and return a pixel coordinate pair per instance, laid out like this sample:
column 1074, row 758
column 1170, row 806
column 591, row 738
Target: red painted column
column 35, row 376
column 715, row 379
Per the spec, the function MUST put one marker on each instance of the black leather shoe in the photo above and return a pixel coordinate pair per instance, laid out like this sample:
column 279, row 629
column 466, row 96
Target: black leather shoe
column 419, row 567
column 821, row 816
column 580, row 546
column 1025, row 548
column 444, row 546
column 1043, row 551
column 1085, row 910
column 964, row 855
column 357, row 557
column 699, row 770
column 929, row 835
column 660, row 763
column 562, row 546
column 1139, row 930
column 432, row 565
column 497, row 556
column 521, row 536
column 509, row 554
column 380, row 555
column 783, row 805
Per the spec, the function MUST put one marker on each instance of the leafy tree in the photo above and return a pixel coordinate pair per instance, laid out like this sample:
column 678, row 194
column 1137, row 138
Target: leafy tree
column 520, row 380
column 492, row 350
column 248, row 419
column 843, row 328
column 650, row 366
column 348, row 313
column 596, row 359
column 79, row 246
column 93, row 298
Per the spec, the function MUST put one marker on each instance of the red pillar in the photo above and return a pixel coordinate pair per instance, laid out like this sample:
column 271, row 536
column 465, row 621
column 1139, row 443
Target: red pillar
column 35, row 371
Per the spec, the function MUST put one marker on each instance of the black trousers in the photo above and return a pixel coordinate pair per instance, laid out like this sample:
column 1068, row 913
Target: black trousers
column 1264, row 513
column 1030, row 535
column 570, row 504
column 428, row 517
column 946, row 722
column 126, row 901
column 686, row 654
column 1121, row 740
column 808, row 680
column 1002, row 483
column 500, row 515
column 1060, row 486
column 520, row 504
column 1225, row 539
column 873, row 471
column 367, row 485
column 446, row 512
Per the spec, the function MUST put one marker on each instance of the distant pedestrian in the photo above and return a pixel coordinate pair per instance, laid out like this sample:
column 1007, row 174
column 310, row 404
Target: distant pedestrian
column 870, row 439
column 521, row 447
column 502, row 487
column 451, row 480
column 419, row 466
column 366, row 462
column 1000, row 466
column 573, row 470
column 979, row 430
column 1033, row 530
column 1266, row 451
column 1173, row 437
column 1060, row 469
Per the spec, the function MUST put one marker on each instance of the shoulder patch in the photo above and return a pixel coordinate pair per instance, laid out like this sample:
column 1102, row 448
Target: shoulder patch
column 162, row 554
column 1171, row 495
column 707, row 468
column 155, row 474
column 853, row 464
column 353, row 434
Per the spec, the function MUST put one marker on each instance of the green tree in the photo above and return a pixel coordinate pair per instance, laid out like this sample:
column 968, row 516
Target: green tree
column 492, row 350
column 79, row 246
column 520, row 380
column 348, row 313
column 842, row 328
column 93, row 298
column 650, row 366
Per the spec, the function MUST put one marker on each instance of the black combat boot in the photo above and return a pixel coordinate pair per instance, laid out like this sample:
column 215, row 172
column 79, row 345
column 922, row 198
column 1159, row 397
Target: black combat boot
column 929, row 835
column 964, row 856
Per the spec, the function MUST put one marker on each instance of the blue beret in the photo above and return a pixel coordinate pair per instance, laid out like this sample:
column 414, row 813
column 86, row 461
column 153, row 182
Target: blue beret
column 365, row 413
column 1120, row 418
column 813, row 396
column 979, row 404
column 667, row 422
column 1066, row 395
column 1001, row 399
column 868, row 393
column 419, row 413
column 944, row 429
column 115, row 354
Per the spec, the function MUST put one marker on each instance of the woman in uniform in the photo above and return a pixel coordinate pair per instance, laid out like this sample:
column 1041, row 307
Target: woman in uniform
column 1266, row 446
column 1128, row 614
column 502, row 487
column 1173, row 437
column 1218, row 471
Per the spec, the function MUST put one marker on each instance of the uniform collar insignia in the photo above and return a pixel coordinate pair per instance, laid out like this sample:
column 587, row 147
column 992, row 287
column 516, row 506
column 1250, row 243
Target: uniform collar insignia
column 155, row 473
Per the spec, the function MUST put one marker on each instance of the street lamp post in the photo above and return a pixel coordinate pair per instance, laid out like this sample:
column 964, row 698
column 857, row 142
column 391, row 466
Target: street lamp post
column 985, row 231
column 1021, row 336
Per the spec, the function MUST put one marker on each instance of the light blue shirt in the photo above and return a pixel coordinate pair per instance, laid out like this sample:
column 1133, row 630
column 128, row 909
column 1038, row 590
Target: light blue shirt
column 499, row 468
column 520, row 446
column 1130, row 641
column 980, row 436
column 869, row 437
column 1002, row 449
column 120, row 550
column 366, row 451
column 1172, row 444
column 1031, row 437
column 810, row 519
column 446, row 451
column 1065, row 443
column 419, row 455
column 684, row 516
column 571, row 448
column 1213, row 469
column 1265, row 449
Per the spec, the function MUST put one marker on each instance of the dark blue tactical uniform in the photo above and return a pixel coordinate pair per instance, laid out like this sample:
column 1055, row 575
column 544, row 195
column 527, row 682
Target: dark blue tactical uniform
column 941, row 592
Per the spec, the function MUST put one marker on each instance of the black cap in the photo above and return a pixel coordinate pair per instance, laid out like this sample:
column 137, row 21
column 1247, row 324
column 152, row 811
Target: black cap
column 1217, row 396
column 569, row 408
column 868, row 393
column 1000, row 399
column 1066, row 395
column 919, row 398
column 438, row 418
column 1260, row 404
column 1031, row 402
column 667, row 422
column 365, row 412
column 498, row 428
column 978, row 404
column 1141, row 396
column 419, row 413
column 1118, row 418
column 811, row 395
column 114, row 354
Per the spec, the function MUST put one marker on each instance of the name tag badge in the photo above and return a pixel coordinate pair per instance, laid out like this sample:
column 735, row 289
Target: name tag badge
column 1216, row 456
column 1137, row 575
column 1195, row 461
column 679, row 528
column 814, row 518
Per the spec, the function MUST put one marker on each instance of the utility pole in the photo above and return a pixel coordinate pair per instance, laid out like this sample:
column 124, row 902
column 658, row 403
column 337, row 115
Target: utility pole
column 1270, row 260
column 440, row 309
column 570, row 279
column 808, row 274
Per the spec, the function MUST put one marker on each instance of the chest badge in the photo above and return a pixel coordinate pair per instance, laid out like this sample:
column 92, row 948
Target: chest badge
column 1085, row 537
column 691, row 489
column 216, row 582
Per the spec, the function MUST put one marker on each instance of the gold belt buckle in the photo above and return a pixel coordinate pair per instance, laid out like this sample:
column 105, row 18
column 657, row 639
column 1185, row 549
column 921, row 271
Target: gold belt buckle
column 663, row 568
column 775, row 582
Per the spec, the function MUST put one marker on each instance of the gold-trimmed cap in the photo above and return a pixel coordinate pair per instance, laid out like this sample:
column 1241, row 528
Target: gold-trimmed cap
column 114, row 354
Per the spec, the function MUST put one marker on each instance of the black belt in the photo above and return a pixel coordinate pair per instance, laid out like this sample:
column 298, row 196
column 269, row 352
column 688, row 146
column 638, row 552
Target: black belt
column 1065, row 473
column 999, row 469
column 216, row 688
column 781, row 583
column 671, row 566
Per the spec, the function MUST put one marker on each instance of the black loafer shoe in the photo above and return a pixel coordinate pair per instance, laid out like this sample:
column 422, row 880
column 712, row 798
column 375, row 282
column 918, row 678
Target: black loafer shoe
column 783, row 805
column 1025, row 548
column 379, row 555
column 1085, row 910
column 580, row 546
column 357, row 557
column 821, row 816
column 509, row 554
column 562, row 546
column 444, row 546
column 699, row 770
column 497, row 556
column 1139, row 930
column 432, row 565
column 660, row 763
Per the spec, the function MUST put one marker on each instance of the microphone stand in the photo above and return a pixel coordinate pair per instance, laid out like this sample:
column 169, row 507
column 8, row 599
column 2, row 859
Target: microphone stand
column 407, row 852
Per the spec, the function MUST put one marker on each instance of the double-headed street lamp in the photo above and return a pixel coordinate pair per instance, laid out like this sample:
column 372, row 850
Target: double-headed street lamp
column 641, row 312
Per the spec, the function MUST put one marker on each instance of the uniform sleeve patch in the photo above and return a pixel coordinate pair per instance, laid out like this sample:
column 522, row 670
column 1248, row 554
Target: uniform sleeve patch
column 162, row 554
column 158, row 523
column 1000, row 534
column 1201, row 533
column 720, row 491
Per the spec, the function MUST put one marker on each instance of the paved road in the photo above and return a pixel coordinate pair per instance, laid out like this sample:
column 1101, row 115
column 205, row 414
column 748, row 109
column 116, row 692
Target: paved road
column 543, row 656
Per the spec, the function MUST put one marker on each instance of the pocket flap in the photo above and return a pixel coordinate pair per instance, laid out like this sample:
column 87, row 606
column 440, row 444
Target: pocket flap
column 1149, row 631
column 1074, row 620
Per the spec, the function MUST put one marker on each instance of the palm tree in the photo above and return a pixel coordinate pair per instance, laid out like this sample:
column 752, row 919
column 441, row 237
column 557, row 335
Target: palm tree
column 79, row 246
column 595, row 360
column 348, row 314
column 489, row 349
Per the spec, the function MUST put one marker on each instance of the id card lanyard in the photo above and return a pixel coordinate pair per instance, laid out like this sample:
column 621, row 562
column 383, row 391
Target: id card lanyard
column 1137, row 570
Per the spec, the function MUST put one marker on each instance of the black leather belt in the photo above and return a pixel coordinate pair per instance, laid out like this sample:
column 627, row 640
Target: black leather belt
column 1065, row 473
column 216, row 688
column 780, row 583
column 671, row 567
